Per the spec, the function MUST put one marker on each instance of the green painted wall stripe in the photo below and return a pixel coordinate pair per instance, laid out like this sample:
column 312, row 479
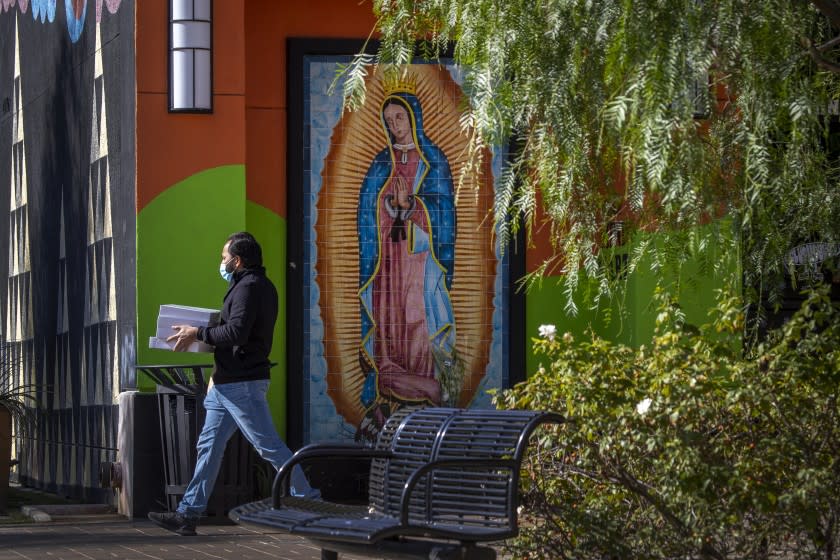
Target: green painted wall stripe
column 270, row 230
column 179, row 241
column 631, row 321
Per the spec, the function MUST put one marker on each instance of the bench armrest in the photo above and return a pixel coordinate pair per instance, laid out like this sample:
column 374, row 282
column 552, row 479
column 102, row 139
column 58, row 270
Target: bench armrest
column 282, row 480
column 510, row 464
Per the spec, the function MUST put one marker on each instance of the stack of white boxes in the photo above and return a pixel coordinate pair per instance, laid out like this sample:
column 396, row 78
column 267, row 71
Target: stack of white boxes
column 171, row 315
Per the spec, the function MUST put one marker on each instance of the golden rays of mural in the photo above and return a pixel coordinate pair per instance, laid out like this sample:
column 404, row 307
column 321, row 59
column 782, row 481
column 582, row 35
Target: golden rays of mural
column 356, row 140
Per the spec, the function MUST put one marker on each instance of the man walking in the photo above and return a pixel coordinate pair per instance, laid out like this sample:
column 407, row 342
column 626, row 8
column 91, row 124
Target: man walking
column 236, row 395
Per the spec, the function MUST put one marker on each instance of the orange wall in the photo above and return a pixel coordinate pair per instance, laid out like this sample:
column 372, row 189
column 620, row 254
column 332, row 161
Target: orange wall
column 541, row 249
column 171, row 146
column 269, row 24
column 248, row 123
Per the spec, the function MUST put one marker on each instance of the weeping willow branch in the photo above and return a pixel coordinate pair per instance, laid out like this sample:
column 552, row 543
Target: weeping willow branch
column 603, row 100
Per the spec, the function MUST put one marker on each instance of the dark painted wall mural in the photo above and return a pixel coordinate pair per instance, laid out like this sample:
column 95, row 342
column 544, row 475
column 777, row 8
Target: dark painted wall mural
column 75, row 11
column 67, row 253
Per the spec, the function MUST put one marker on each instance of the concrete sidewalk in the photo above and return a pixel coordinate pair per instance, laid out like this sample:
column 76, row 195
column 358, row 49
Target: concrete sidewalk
column 142, row 540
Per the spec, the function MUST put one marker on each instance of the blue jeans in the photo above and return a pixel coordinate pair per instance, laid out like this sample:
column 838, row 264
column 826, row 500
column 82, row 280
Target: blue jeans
column 230, row 406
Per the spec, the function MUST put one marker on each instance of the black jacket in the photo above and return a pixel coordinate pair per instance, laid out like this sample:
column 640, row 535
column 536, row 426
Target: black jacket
column 243, row 337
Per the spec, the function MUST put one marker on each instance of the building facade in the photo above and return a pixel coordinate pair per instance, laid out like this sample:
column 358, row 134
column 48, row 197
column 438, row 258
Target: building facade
column 119, row 201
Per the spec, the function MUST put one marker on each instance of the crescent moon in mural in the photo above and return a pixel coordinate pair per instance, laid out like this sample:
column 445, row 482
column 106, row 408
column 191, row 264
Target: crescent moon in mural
column 406, row 262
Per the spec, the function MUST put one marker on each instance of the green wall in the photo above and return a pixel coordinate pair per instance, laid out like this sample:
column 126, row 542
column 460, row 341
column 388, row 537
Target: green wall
column 270, row 231
column 180, row 235
column 631, row 318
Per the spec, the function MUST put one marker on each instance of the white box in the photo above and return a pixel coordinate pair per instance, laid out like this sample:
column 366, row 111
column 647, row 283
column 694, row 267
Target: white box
column 166, row 322
column 208, row 317
column 161, row 344
column 171, row 315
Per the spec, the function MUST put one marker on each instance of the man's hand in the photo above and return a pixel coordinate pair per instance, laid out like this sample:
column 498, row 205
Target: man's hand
column 185, row 336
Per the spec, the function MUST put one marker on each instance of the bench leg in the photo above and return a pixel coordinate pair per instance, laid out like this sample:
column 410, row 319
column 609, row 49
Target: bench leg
column 328, row 554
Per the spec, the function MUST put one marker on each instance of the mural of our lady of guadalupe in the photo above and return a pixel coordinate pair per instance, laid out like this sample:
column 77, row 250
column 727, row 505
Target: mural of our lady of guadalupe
column 407, row 233
column 418, row 260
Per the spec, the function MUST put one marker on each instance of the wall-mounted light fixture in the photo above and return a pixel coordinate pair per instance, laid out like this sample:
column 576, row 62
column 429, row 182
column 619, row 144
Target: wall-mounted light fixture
column 191, row 56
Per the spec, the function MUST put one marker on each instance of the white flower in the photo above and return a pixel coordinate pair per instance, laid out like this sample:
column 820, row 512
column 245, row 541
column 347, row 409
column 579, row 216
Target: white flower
column 643, row 406
column 548, row 331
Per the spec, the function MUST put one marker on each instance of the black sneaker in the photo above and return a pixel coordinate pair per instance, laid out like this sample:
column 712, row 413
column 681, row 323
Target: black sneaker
column 174, row 522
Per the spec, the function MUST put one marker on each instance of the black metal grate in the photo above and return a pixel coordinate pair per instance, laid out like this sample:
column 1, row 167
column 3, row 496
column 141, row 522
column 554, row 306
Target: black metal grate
column 481, row 495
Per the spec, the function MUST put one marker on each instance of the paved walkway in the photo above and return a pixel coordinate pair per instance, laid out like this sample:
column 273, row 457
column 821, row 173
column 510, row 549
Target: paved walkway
column 141, row 540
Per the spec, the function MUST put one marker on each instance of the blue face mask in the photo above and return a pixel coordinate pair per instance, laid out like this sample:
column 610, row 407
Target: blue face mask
column 226, row 270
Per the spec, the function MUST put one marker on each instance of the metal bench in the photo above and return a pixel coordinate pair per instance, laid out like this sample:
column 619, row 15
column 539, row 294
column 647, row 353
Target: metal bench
column 441, row 481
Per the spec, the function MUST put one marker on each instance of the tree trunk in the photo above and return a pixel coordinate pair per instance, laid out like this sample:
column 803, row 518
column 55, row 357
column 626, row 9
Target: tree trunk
column 5, row 455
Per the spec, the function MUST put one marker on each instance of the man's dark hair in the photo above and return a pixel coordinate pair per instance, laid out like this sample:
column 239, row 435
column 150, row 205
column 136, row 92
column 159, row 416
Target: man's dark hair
column 245, row 246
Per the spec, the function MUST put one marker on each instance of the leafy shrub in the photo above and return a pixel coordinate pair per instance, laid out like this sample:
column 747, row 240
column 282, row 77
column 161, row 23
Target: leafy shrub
column 687, row 447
